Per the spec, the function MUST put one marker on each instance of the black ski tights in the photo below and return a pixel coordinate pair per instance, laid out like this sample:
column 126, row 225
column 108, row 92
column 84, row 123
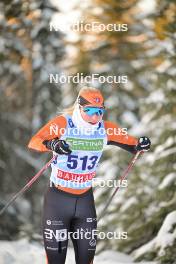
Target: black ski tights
column 67, row 215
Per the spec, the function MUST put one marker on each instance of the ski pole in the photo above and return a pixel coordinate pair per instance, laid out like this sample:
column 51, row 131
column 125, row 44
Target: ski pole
column 37, row 175
column 124, row 175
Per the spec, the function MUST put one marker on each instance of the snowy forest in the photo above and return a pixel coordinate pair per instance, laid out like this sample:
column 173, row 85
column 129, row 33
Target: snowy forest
column 146, row 105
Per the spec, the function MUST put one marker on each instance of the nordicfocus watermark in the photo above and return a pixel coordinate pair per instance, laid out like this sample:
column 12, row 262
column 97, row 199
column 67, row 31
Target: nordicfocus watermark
column 81, row 26
column 78, row 181
column 109, row 183
column 83, row 233
column 80, row 78
column 55, row 130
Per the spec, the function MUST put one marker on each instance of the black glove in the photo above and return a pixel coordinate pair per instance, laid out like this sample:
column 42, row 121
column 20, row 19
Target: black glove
column 143, row 144
column 57, row 145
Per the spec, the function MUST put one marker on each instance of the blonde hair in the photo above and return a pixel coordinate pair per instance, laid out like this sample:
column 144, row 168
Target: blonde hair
column 69, row 110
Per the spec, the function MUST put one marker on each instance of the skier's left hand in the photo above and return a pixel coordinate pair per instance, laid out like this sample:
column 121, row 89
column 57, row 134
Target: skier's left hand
column 143, row 144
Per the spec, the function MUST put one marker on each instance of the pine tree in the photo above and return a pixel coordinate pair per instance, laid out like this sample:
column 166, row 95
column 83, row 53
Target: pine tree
column 29, row 53
column 151, row 194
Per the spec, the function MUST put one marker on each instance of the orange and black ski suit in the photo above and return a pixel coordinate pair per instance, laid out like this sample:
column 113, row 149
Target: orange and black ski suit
column 68, row 209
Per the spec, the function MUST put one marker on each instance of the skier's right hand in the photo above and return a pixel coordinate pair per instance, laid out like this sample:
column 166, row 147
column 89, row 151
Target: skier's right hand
column 59, row 146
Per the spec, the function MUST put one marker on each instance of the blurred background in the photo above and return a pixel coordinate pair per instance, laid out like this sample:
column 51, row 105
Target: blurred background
column 30, row 52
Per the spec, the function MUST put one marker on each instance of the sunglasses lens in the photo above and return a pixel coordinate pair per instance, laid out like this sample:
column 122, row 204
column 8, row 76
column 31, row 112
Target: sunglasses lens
column 93, row 111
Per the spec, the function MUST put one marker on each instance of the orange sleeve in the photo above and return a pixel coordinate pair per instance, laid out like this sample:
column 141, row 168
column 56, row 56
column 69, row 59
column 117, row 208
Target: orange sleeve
column 116, row 136
column 51, row 130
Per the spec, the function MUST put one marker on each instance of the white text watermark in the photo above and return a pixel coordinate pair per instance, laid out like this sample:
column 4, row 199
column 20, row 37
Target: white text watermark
column 81, row 26
column 80, row 78
column 56, row 131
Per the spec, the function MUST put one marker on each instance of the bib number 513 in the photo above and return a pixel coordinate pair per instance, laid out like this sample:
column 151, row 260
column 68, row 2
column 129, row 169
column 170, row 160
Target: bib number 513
column 87, row 162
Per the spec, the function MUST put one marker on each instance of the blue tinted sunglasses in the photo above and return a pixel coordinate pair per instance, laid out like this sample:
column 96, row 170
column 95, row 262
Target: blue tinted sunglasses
column 93, row 110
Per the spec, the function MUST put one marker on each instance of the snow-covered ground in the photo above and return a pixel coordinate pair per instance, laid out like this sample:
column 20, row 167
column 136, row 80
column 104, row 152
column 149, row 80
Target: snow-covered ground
column 23, row 252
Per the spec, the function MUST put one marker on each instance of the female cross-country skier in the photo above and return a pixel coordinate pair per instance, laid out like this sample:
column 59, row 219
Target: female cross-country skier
column 76, row 138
